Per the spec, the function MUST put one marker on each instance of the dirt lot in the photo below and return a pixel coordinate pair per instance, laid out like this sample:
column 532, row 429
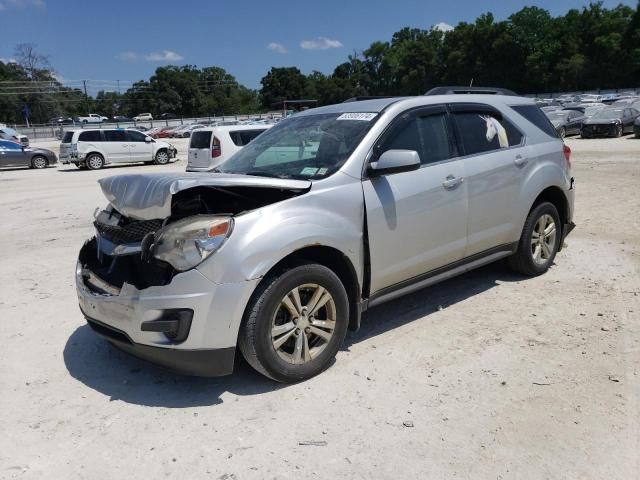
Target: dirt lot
column 485, row 376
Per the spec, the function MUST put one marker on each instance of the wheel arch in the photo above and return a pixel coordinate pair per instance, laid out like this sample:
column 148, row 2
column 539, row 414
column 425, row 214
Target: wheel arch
column 556, row 196
column 334, row 260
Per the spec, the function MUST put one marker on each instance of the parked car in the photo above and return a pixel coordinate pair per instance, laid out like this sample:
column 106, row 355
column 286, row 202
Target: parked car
column 7, row 133
column 591, row 111
column 566, row 122
column 57, row 121
column 279, row 255
column 91, row 118
column 636, row 127
column 627, row 102
column 13, row 154
column 185, row 131
column 121, row 119
column 210, row 147
column 167, row 116
column 93, row 148
column 143, row 117
column 610, row 122
column 164, row 132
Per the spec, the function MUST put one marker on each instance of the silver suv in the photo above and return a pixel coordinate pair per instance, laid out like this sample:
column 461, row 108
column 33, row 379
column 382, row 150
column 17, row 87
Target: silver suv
column 280, row 253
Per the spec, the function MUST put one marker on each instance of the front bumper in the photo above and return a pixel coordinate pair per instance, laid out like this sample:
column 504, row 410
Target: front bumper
column 599, row 130
column 118, row 314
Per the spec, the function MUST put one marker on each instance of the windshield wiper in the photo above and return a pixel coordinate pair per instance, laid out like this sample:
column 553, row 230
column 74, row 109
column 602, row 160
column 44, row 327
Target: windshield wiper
column 262, row 173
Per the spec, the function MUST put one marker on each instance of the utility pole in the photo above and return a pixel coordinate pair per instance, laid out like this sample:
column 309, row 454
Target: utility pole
column 86, row 97
column 118, row 86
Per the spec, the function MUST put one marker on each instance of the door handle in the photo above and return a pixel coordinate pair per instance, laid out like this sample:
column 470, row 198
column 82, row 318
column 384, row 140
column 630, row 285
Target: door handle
column 452, row 182
column 520, row 161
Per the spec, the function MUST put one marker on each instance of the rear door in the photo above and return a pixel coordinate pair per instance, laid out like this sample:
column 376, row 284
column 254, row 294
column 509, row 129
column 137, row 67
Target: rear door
column 139, row 150
column 495, row 165
column 200, row 149
column 116, row 146
column 417, row 221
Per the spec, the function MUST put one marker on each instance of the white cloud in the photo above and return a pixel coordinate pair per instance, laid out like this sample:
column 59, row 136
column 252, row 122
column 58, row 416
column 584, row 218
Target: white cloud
column 127, row 56
column 443, row 27
column 322, row 43
column 164, row 56
column 6, row 4
column 277, row 47
column 8, row 60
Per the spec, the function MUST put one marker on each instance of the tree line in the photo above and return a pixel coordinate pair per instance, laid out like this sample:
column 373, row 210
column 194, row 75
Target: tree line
column 529, row 52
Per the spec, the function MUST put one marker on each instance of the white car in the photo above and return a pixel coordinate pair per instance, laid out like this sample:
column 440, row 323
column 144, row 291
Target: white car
column 92, row 118
column 143, row 117
column 94, row 148
column 7, row 133
column 186, row 130
column 210, row 147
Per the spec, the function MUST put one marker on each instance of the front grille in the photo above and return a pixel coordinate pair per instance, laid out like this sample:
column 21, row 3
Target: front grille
column 131, row 232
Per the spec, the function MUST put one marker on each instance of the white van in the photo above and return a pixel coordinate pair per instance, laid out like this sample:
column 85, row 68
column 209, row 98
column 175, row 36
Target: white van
column 94, row 148
column 210, row 147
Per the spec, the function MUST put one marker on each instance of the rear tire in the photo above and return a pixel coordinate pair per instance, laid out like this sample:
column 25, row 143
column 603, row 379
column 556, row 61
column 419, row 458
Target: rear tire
column 539, row 241
column 39, row 162
column 94, row 161
column 284, row 335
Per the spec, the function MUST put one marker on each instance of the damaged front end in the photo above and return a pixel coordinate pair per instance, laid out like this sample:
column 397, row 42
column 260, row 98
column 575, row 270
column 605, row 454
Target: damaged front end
column 136, row 278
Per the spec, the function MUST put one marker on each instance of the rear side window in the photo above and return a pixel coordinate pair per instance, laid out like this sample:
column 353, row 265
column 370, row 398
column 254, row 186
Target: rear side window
column 242, row 137
column 90, row 136
column 428, row 135
column 115, row 136
column 68, row 136
column 200, row 139
column 537, row 117
column 482, row 132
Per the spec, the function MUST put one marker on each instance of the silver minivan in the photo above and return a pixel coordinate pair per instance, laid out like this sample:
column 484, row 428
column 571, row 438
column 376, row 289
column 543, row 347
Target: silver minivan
column 279, row 255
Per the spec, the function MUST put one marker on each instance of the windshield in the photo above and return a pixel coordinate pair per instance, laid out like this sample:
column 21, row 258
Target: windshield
column 609, row 113
column 302, row 147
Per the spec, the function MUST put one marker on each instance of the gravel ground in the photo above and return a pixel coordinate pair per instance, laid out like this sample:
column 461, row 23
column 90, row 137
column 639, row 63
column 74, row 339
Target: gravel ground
column 488, row 375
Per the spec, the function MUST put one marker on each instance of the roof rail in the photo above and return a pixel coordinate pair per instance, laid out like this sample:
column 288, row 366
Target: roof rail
column 469, row 90
column 361, row 98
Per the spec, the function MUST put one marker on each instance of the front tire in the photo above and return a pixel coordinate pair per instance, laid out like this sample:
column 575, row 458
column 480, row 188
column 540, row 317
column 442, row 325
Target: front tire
column 94, row 161
column 162, row 158
column 295, row 323
column 562, row 132
column 619, row 131
column 39, row 162
column 539, row 241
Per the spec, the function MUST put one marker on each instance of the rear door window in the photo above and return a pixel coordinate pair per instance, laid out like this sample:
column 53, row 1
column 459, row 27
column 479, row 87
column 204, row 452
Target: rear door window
column 537, row 117
column 241, row 137
column 482, row 132
column 90, row 136
column 200, row 139
column 115, row 136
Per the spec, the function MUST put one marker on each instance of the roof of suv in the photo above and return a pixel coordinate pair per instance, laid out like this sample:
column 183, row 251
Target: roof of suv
column 379, row 104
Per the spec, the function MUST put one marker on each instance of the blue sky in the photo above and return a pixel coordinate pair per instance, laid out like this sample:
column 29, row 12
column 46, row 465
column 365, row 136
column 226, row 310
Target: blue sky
column 126, row 40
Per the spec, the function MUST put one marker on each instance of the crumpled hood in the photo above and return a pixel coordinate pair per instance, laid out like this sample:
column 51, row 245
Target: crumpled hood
column 148, row 196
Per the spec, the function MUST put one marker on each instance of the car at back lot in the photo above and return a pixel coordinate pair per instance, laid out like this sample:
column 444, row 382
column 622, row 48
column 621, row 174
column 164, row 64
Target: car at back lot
column 143, row 117
column 7, row 133
column 210, row 147
column 278, row 255
column 13, row 154
column 636, row 127
column 95, row 148
column 610, row 122
column 566, row 122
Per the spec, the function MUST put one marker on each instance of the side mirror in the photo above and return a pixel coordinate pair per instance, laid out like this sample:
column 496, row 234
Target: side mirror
column 394, row 161
column 148, row 139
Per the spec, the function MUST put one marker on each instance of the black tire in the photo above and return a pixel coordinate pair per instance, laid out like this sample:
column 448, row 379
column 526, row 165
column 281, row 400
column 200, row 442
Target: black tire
column 94, row 161
column 39, row 162
column 255, row 339
column 619, row 131
column 523, row 260
column 162, row 157
column 562, row 132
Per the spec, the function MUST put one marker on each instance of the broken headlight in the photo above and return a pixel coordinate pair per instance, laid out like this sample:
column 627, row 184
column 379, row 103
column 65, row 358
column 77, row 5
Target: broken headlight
column 187, row 242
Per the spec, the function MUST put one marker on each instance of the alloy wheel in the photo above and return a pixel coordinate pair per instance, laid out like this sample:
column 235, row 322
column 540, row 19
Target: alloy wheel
column 543, row 239
column 94, row 162
column 162, row 158
column 303, row 324
column 39, row 162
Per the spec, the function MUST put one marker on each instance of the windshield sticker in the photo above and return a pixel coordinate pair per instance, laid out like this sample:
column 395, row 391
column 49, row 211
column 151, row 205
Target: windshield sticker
column 322, row 171
column 494, row 127
column 309, row 171
column 362, row 116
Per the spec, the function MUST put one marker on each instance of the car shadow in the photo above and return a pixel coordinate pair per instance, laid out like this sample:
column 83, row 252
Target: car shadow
column 396, row 313
column 120, row 376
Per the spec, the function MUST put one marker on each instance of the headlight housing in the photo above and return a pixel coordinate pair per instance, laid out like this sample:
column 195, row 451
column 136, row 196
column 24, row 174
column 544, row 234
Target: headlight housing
column 188, row 242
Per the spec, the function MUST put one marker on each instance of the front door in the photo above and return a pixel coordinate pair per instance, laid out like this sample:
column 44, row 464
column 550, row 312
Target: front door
column 417, row 221
column 139, row 149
